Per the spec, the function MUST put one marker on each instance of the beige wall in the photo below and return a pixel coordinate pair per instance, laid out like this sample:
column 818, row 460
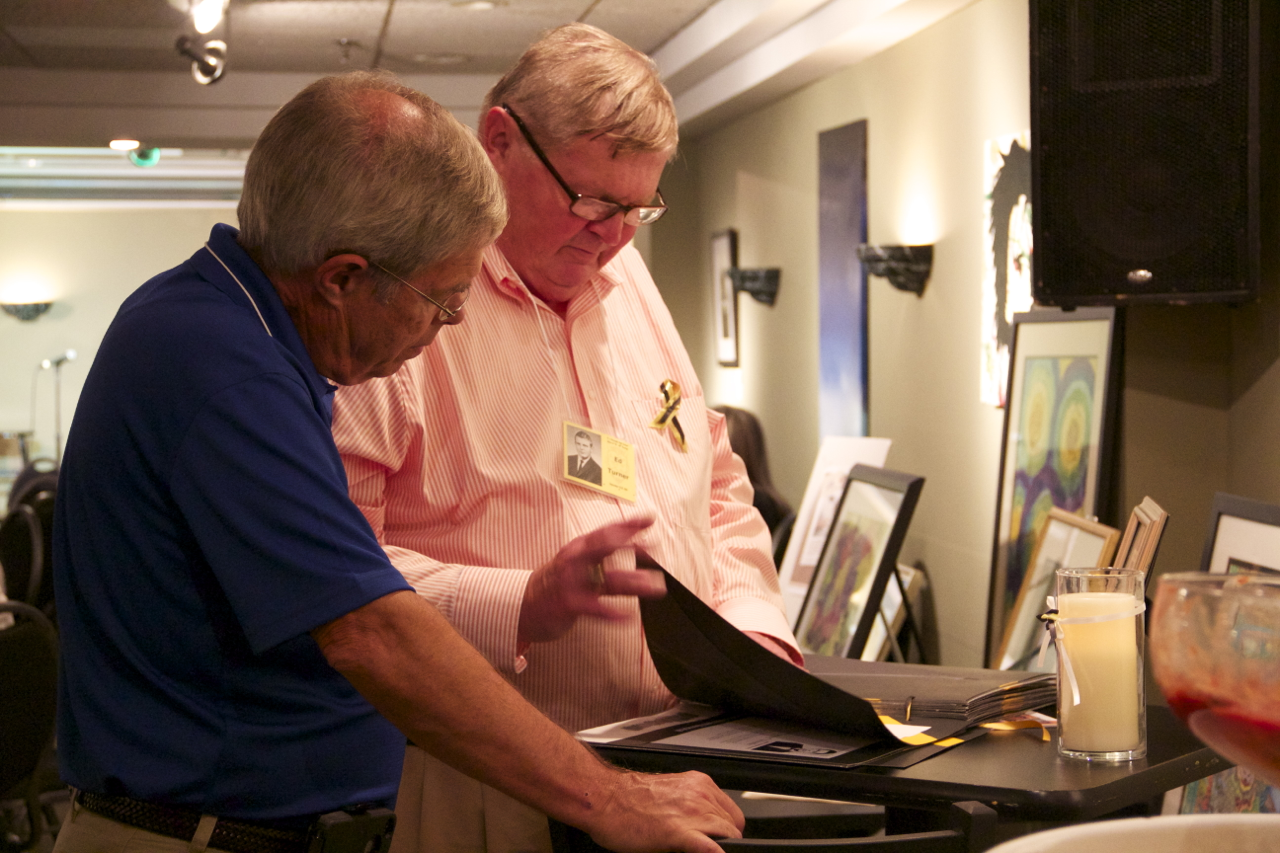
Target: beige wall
column 90, row 260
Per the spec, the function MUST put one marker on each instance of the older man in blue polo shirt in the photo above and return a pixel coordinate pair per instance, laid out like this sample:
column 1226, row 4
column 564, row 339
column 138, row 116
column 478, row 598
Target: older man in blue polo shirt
column 229, row 621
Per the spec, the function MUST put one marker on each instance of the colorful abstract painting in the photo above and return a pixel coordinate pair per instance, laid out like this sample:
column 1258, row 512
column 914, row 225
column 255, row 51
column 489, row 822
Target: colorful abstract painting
column 1053, row 448
column 843, row 584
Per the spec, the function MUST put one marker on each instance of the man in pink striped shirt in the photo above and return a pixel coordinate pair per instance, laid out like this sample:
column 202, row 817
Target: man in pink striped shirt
column 459, row 459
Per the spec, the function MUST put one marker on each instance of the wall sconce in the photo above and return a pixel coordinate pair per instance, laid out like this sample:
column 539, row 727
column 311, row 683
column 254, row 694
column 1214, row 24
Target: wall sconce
column 906, row 267
column 762, row 284
column 26, row 311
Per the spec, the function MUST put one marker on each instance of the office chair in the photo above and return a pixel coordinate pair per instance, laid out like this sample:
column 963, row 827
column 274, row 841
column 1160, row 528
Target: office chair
column 28, row 691
column 970, row 830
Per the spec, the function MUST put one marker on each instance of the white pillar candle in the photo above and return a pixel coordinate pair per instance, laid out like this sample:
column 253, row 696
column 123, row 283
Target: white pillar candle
column 1104, row 659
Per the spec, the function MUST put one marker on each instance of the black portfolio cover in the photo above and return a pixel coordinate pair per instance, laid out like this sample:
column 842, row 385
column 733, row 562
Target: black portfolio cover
column 703, row 659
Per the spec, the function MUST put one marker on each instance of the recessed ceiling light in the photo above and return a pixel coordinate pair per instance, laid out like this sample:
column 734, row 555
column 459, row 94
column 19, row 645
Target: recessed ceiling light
column 478, row 5
column 124, row 144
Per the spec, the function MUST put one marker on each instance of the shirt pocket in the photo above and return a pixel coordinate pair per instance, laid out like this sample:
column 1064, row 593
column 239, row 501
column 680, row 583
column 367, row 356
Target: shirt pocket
column 675, row 487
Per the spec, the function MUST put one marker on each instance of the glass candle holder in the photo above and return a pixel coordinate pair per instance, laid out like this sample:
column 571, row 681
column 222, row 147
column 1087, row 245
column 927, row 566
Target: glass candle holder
column 1099, row 635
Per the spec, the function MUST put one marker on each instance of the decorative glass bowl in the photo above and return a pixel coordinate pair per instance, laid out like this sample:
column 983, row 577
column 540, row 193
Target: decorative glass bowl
column 1215, row 652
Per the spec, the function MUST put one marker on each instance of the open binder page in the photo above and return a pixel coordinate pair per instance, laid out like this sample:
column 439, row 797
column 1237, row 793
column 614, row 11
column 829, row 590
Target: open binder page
column 702, row 729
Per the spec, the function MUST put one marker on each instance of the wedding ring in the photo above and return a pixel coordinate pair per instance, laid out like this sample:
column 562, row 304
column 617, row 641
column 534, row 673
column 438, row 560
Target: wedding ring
column 597, row 577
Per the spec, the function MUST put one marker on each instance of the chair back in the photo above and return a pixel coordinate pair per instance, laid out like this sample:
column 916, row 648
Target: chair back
column 40, row 475
column 28, row 691
column 22, row 553
column 781, row 536
column 26, row 536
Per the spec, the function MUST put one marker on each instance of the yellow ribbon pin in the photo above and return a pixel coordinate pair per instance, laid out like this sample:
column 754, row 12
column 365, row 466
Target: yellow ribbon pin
column 666, row 418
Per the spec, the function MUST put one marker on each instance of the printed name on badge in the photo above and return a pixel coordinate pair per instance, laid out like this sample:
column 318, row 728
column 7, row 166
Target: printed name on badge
column 599, row 461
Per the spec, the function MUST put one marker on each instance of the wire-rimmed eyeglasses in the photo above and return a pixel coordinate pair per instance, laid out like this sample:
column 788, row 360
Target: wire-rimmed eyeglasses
column 594, row 209
column 448, row 309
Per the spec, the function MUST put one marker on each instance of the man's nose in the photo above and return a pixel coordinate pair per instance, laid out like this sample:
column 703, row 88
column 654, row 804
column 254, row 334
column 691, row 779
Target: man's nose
column 610, row 230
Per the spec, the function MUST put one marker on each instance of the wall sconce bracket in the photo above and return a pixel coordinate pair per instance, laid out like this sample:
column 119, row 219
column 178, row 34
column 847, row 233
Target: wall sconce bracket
column 26, row 311
column 906, row 267
column 761, row 284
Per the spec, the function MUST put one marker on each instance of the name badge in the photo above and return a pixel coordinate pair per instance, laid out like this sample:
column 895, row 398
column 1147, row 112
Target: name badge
column 599, row 461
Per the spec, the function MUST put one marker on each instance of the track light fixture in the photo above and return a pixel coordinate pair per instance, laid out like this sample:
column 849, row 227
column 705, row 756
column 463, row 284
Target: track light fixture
column 208, row 60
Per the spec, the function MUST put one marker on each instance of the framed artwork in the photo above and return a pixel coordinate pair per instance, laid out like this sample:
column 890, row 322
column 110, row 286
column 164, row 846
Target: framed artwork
column 1057, row 448
column 1066, row 540
column 1244, row 535
column 724, row 257
column 836, row 457
column 857, row 560
column 1142, row 536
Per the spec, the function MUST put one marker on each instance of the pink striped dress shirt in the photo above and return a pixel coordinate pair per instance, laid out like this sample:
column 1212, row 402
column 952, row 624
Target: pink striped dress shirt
column 456, row 461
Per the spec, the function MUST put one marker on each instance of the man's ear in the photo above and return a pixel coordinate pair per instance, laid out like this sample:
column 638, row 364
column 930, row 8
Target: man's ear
column 496, row 130
column 337, row 278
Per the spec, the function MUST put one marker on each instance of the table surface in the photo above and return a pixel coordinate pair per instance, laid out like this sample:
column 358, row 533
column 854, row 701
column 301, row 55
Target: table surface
column 1017, row 773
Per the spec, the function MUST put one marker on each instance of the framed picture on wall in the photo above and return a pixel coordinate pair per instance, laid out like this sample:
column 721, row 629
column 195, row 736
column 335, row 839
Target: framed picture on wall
column 1066, row 541
column 1142, row 536
column 1244, row 536
column 1057, row 448
column 724, row 257
column 859, row 556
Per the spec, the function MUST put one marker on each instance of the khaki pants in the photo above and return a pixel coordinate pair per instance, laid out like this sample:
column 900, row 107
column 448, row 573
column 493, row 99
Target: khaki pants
column 87, row 832
column 440, row 810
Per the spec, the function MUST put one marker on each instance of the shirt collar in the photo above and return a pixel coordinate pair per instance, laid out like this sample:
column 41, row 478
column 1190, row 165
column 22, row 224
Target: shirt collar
column 496, row 269
column 259, row 292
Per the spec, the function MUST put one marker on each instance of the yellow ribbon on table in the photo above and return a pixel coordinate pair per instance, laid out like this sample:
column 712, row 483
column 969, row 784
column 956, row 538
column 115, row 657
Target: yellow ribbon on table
column 666, row 419
column 1015, row 725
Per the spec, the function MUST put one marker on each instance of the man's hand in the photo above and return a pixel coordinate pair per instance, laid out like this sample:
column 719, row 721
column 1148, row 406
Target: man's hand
column 403, row 656
column 645, row 813
column 572, row 584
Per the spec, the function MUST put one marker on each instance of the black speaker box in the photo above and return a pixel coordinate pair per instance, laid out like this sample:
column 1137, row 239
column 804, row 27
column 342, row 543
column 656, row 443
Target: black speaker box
column 1153, row 149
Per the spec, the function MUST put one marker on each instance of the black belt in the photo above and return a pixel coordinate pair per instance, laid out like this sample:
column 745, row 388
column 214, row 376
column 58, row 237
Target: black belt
column 235, row 836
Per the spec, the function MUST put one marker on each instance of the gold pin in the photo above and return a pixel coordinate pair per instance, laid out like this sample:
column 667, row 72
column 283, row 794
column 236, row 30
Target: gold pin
column 666, row 418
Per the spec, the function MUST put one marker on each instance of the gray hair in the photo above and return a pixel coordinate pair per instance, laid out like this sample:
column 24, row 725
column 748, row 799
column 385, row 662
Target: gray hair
column 344, row 168
column 578, row 81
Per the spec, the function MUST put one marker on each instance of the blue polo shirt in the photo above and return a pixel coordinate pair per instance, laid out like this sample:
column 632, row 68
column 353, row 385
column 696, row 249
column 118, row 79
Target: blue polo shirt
column 202, row 529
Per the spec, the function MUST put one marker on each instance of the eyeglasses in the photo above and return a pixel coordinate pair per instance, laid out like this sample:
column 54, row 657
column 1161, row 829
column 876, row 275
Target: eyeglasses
column 594, row 209
column 449, row 308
